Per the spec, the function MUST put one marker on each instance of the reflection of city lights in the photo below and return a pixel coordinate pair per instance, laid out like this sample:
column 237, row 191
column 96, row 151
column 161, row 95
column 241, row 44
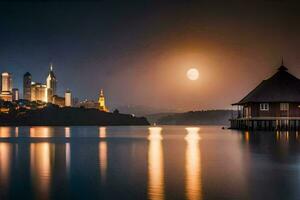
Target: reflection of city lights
column 103, row 159
column 40, row 164
column 68, row 157
column 17, row 132
column 67, row 132
column 277, row 135
column 247, row 136
column 102, row 132
column 193, row 161
column 103, row 154
column 5, row 132
column 192, row 133
column 43, row 132
column 5, row 163
column 155, row 133
column 155, row 165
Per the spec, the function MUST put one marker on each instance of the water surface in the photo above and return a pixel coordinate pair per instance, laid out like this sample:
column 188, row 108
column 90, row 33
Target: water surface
column 168, row 162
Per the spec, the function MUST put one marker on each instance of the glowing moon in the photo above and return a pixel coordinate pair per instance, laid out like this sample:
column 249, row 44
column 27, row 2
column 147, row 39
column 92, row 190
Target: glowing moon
column 192, row 74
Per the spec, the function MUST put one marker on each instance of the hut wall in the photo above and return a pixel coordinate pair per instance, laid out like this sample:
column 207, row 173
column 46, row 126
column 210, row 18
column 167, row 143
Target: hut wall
column 294, row 110
column 274, row 110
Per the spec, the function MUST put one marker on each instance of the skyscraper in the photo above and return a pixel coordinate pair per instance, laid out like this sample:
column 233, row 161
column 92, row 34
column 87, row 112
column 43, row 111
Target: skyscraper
column 6, row 82
column 101, row 101
column 6, row 86
column 15, row 94
column 51, row 84
column 39, row 92
column 27, row 86
column 68, row 98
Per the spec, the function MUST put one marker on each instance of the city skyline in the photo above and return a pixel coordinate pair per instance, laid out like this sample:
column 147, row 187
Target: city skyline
column 43, row 94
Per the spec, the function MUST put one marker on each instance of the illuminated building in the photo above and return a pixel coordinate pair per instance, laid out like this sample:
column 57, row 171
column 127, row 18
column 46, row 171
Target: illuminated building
column 60, row 101
column 39, row 92
column 15, row 94
column 51, row 83
column 6, row 82
column 27, row 86
column 68, row 98
column 4, row 110
column 6, row 96
column 6, row 86
column 101, row 101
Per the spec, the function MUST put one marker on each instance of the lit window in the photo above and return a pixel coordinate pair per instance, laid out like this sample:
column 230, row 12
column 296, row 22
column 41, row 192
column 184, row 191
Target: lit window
column 284, row 106
column 264, row 106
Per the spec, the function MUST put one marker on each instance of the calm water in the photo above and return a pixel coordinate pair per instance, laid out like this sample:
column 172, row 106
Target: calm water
column 171, row 162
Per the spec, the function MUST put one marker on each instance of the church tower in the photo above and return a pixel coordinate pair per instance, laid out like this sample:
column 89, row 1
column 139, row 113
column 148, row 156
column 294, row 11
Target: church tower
column 101, row 101
column 51, row 84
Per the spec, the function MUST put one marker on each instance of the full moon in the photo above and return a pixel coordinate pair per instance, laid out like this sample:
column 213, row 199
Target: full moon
column 192, row 74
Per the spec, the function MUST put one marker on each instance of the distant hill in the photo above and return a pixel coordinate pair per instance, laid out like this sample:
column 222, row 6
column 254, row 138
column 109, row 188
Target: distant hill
column 55, row 116
column 139, row 110
column 208, row 117
column 154, row 118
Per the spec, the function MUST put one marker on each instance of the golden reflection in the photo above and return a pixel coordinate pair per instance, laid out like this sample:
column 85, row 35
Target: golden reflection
column 67, row 132
column 102, row 132
column 155, row 133
column 41, row 131
column 5, row 132
column 284, row 136
column 103, row 154
column 247, row 136
column 192, row 165
column 40, row 167
column 68, row 157
column 192, row 133
column 68, row 152
column 155, row 165
column 17, row 132
column 5, row 163
column 103, row 160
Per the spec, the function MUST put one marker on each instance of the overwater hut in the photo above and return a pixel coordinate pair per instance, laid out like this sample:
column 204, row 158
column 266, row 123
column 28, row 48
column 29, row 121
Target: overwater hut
column 273, row 105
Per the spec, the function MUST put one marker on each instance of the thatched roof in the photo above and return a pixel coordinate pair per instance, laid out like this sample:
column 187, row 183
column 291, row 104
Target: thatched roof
column 281, row 87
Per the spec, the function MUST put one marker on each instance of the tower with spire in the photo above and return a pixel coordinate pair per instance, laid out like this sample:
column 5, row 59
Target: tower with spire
column 101, row 102
column 51, row 84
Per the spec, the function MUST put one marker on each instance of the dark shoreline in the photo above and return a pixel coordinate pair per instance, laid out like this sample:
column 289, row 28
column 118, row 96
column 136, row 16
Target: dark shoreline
column 67, row 116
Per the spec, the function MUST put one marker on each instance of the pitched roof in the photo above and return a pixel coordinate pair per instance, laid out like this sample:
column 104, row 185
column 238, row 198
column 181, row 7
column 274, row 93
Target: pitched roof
column 281, row 87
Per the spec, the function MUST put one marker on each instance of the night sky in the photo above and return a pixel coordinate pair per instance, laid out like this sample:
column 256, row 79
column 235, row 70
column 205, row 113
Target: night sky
column 139, row 52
